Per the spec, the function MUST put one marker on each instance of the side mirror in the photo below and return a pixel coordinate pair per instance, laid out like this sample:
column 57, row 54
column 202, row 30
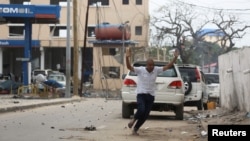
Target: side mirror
column 123, row 76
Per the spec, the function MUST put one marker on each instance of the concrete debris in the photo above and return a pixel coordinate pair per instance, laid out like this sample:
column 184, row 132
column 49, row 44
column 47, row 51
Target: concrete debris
column 203, row 133
column 90, row 128
column 248, row 115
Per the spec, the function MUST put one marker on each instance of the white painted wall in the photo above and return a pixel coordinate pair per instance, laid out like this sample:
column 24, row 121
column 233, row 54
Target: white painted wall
column 234, row 70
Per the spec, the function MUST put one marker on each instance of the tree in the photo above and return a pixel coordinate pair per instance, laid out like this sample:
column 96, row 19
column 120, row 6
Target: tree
column 229, row 25
column 183, row 25
column 176, row 22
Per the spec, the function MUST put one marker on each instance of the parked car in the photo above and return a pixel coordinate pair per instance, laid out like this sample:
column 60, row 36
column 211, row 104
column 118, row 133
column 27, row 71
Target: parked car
column 45, row 72
column 169, row 91
column 195, row 86
column 8, row 84
column 59, row 77
column 213, row 86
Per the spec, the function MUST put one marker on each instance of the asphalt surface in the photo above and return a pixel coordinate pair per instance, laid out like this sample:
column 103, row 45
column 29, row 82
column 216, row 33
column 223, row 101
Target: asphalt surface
column 11, row 103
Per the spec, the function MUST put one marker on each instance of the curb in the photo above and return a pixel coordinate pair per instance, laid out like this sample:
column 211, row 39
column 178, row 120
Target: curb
column 30, row 106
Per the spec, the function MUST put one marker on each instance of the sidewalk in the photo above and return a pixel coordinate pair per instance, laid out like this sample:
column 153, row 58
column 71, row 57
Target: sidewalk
column 10, row 103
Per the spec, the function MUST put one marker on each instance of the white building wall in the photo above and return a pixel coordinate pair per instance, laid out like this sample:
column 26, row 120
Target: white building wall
column 234, row 70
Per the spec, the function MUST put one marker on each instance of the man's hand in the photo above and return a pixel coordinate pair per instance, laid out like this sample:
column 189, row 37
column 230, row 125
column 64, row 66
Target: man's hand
column 128, row 52
column 176, row 53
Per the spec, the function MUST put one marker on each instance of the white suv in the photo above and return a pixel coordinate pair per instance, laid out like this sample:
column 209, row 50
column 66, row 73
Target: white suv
column 195, row 86
column 169, row 91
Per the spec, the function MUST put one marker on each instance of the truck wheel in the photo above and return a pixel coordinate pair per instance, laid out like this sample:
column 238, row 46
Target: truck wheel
column 126, row 110
column 199, row 104
column 179, row 112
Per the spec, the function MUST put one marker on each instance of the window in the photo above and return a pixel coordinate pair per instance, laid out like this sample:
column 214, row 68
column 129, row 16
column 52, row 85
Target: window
column 110, row 51
column 111, row 72
column 138, row 30
column 16, row 30
column 138, row 2
column 99, row 2
column 58, row 2
column 58, row 31
column 20, row 2
column 125, row 2
column 91, row 31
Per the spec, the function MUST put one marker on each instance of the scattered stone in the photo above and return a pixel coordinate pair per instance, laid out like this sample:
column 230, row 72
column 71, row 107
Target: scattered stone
column 90, row 128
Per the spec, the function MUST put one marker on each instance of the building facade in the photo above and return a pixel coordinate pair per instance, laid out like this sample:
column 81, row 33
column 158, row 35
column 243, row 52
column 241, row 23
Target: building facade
column 99, row 61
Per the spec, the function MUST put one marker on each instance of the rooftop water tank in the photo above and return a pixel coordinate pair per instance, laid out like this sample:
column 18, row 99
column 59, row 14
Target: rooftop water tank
column 106, row 31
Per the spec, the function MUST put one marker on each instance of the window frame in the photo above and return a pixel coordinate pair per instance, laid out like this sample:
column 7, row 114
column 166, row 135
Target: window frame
column 138, row 30
column 125, row 2
column 91, row 31
column 57, row 30
column 138, row 2
column 110, row 51
column 60, row 2
column 20, row 1
column 106, row 71
column 17, row 34
column 94, row 3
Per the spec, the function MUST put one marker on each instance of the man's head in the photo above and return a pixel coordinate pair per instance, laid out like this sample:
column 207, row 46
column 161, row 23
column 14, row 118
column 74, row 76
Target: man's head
column 150, row 65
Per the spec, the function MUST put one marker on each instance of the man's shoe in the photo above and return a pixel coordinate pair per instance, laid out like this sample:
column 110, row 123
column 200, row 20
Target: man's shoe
column 131, row 123
column 135, row 133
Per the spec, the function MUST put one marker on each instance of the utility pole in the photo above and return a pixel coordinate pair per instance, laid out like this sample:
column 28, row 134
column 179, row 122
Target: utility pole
column 76, row 48
column 68, row 57
column 84, row 46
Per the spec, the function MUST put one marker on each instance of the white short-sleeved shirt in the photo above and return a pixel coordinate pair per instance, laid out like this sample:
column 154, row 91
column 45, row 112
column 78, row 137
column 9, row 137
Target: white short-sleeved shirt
column 146, row 80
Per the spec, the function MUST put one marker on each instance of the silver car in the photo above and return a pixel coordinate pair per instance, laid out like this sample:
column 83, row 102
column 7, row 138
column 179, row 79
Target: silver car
column 169, row 91
column 213, row 86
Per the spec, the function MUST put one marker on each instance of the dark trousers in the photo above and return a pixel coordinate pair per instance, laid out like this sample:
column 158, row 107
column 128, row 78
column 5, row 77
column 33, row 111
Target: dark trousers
column 144, row 105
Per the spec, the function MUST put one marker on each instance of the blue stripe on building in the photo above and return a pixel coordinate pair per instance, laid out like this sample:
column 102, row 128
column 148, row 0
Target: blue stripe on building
column 18, row 43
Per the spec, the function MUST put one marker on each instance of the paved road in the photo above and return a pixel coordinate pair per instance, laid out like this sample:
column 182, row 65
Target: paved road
column 74, row 121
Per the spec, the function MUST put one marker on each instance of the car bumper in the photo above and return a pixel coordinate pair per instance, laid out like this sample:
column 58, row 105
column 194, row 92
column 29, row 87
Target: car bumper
column 166, row 98
column 214, row 95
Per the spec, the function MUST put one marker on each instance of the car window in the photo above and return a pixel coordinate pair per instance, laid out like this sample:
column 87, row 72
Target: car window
column 56, row 77
column 39, row 72
column 188, row 74
column 212, row 78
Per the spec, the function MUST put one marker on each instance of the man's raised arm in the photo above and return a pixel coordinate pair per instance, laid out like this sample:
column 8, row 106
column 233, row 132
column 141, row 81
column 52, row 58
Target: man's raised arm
column 128, row 55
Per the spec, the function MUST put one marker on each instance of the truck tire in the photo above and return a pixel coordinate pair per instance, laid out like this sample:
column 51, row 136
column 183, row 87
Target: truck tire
column 199, row 104
column 126, row 110
column 179, row 111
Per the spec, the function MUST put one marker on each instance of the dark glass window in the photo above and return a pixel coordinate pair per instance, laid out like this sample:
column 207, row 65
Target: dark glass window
column 16, row 31
column 91, row 31
column 138, row 30
column 103, row 2
column 138, row 2
column 111, row 72
column 18, row 1
column 56, row 2
column 125, row 2
column 57, row 30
